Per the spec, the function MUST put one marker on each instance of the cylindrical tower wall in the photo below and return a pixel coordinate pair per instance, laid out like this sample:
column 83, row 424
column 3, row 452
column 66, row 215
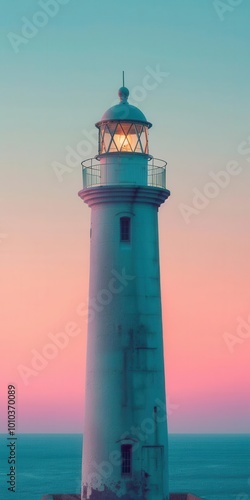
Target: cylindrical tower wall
column 124, row 169
column 125, row 391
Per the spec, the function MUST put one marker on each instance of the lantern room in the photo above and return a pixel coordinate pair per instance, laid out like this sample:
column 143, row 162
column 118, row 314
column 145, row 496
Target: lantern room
column 123, row 128
column 123, row 154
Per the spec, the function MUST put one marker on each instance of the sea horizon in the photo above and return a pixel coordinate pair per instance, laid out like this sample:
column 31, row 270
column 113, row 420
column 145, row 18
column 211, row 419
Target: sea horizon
column 213, row 466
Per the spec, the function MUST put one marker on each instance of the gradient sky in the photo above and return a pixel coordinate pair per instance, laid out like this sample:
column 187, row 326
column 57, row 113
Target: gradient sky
column 53, row 91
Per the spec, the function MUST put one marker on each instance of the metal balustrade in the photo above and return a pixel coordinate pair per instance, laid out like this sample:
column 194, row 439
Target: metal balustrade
column 91, row 173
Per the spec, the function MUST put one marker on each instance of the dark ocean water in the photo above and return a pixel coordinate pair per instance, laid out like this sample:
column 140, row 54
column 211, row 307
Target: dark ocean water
column 215, row 467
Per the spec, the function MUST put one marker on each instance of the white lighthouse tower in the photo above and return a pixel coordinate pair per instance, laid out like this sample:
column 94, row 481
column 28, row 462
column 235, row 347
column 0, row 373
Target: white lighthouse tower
column 125, row 451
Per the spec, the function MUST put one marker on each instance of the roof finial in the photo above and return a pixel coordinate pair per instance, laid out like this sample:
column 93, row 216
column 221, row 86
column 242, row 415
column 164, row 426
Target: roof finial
column 123, row 91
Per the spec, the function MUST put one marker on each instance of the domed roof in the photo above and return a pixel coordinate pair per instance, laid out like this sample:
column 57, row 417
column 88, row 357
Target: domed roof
column 124, row 111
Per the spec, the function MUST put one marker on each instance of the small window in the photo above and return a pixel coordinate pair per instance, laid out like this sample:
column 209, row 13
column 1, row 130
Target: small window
column 125, row 229
column 126, row 452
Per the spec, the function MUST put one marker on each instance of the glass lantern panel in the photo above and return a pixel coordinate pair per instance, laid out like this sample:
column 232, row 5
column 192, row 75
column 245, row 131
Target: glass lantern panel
column 103, row 140
column 106, row 139
column 123, row 137
column 143, row 134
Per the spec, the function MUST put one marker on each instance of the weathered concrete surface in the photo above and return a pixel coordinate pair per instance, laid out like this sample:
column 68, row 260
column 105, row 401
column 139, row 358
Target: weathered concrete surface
column 173, row 496
column 125, row 346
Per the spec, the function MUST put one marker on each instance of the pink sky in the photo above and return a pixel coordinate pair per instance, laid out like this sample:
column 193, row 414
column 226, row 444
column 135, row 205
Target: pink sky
column 204, row 269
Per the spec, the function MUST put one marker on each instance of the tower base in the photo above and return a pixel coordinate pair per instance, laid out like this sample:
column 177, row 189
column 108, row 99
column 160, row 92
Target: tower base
column 172, row 496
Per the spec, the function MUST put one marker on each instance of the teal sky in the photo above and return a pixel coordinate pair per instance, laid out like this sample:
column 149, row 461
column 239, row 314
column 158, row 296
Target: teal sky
column 60, row 83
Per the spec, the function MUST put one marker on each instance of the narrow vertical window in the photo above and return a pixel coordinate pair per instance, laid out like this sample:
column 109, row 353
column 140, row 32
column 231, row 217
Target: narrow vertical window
column 126, row 453
column 125, row 228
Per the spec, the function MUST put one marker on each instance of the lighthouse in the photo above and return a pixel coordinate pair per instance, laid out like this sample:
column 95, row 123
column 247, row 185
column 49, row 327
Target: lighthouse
column 125, row 450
